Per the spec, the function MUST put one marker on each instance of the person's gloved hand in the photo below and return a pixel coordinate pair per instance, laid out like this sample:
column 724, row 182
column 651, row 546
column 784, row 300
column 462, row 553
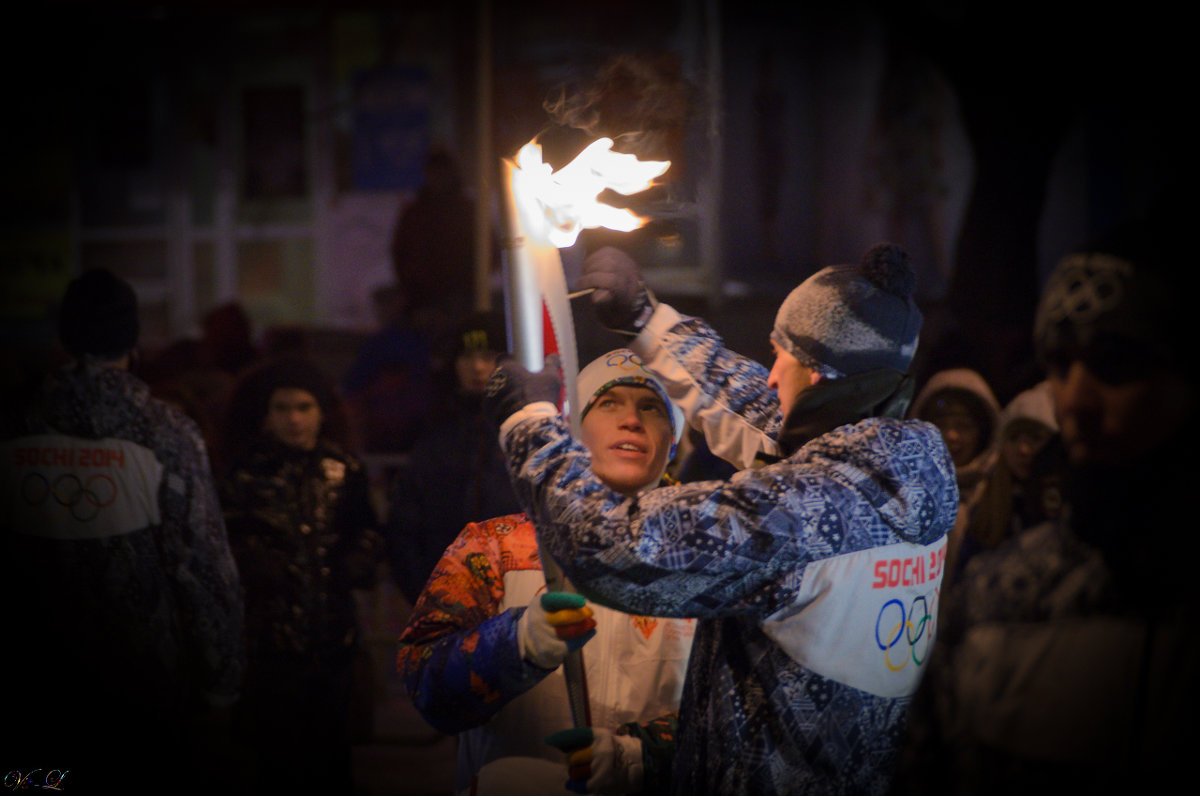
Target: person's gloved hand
column 511, row 387
column 554, row 624
column 622, row 299
column 599, row 760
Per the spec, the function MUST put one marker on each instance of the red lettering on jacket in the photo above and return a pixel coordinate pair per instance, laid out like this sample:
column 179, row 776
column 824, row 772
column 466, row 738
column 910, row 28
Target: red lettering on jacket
column 68, row 457
column 880, row 575
column 893, row 572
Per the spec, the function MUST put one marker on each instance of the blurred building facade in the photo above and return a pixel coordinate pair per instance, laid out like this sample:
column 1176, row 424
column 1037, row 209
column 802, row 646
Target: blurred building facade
column 243, row 152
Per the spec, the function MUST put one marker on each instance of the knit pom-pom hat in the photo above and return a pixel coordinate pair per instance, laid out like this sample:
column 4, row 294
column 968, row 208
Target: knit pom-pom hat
column 854, row 318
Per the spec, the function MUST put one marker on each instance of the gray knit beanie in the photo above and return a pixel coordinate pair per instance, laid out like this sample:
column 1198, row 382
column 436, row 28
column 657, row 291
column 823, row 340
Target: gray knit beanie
column 853, row 318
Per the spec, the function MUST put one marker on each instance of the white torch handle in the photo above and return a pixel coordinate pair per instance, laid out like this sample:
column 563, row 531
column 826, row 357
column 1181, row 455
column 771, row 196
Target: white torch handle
column 535, row 274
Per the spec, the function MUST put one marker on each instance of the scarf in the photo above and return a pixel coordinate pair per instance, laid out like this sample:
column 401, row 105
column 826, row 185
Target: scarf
column 836, row 402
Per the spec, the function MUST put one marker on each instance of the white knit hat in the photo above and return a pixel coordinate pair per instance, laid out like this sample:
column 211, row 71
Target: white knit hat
column 622, row 366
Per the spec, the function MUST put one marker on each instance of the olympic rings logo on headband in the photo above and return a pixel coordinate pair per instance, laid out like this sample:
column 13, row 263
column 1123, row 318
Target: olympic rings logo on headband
column 913, row 625
column 625, row 360
column 82, row 499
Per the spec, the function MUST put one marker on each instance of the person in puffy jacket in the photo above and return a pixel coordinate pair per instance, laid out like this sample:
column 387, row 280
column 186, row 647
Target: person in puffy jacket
column 303, row 531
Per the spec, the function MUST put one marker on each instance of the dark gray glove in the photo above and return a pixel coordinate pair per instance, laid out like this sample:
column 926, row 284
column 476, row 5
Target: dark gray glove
column 622, row 300
column 511, row 387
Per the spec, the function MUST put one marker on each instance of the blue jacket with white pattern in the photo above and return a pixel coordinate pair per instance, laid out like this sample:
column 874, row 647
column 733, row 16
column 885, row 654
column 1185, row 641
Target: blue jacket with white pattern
column 815, row 578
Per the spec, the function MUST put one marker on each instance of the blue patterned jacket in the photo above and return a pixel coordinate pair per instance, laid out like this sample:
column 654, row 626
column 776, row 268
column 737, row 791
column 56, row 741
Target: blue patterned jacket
column 815, row 579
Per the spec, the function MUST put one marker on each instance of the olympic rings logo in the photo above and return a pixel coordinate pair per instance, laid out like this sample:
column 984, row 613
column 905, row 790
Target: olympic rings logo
column 913, row 625
column 625, row 360
column 82, row 499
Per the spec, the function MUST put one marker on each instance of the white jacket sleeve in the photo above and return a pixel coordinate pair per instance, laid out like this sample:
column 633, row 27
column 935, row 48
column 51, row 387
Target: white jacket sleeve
column 722, row 394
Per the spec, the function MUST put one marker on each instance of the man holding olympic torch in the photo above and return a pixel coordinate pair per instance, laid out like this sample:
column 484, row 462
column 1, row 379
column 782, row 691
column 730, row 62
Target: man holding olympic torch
column 813, row 571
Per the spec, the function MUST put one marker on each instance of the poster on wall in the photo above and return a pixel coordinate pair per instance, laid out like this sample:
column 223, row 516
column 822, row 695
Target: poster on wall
column 391, row 128
column 359, row 258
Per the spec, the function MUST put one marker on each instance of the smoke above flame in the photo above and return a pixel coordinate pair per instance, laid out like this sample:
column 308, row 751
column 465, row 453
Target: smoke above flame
column 642, row 102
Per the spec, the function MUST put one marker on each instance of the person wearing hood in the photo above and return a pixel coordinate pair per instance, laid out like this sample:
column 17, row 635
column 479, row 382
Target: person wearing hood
column 481, row 654
column 1023, row 481
column 121, row 596
column 961, row 404
column 813, row 571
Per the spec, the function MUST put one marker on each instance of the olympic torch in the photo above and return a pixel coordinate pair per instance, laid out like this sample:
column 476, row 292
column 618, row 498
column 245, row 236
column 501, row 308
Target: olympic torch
column 545, row 211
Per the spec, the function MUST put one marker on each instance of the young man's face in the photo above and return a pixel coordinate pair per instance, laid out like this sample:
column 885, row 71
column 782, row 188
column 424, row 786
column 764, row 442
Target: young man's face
column 1117, row 421
column 789, row 378
column 293, row 417
column 628, row 432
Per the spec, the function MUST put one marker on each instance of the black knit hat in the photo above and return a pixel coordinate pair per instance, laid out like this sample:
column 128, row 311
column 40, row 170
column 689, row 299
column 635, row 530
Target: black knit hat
column 98, row 316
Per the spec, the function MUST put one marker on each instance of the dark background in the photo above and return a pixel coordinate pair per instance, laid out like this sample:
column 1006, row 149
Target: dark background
column 987, row 138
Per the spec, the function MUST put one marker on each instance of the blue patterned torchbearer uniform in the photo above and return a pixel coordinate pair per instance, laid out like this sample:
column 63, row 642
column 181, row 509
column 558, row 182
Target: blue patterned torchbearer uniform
column 815, row 578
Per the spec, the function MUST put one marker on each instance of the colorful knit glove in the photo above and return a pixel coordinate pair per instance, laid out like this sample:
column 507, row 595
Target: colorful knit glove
column 600, row 761
column 554, row 624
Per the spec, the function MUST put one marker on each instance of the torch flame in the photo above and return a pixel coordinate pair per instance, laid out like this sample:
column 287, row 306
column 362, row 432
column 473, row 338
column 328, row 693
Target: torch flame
column 557, row 205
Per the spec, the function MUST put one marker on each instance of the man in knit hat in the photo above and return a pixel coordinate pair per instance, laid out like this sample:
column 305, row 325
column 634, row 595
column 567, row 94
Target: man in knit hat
column 813, row 572
column 119, row 580
column 1070, row 658
column 482, row 650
